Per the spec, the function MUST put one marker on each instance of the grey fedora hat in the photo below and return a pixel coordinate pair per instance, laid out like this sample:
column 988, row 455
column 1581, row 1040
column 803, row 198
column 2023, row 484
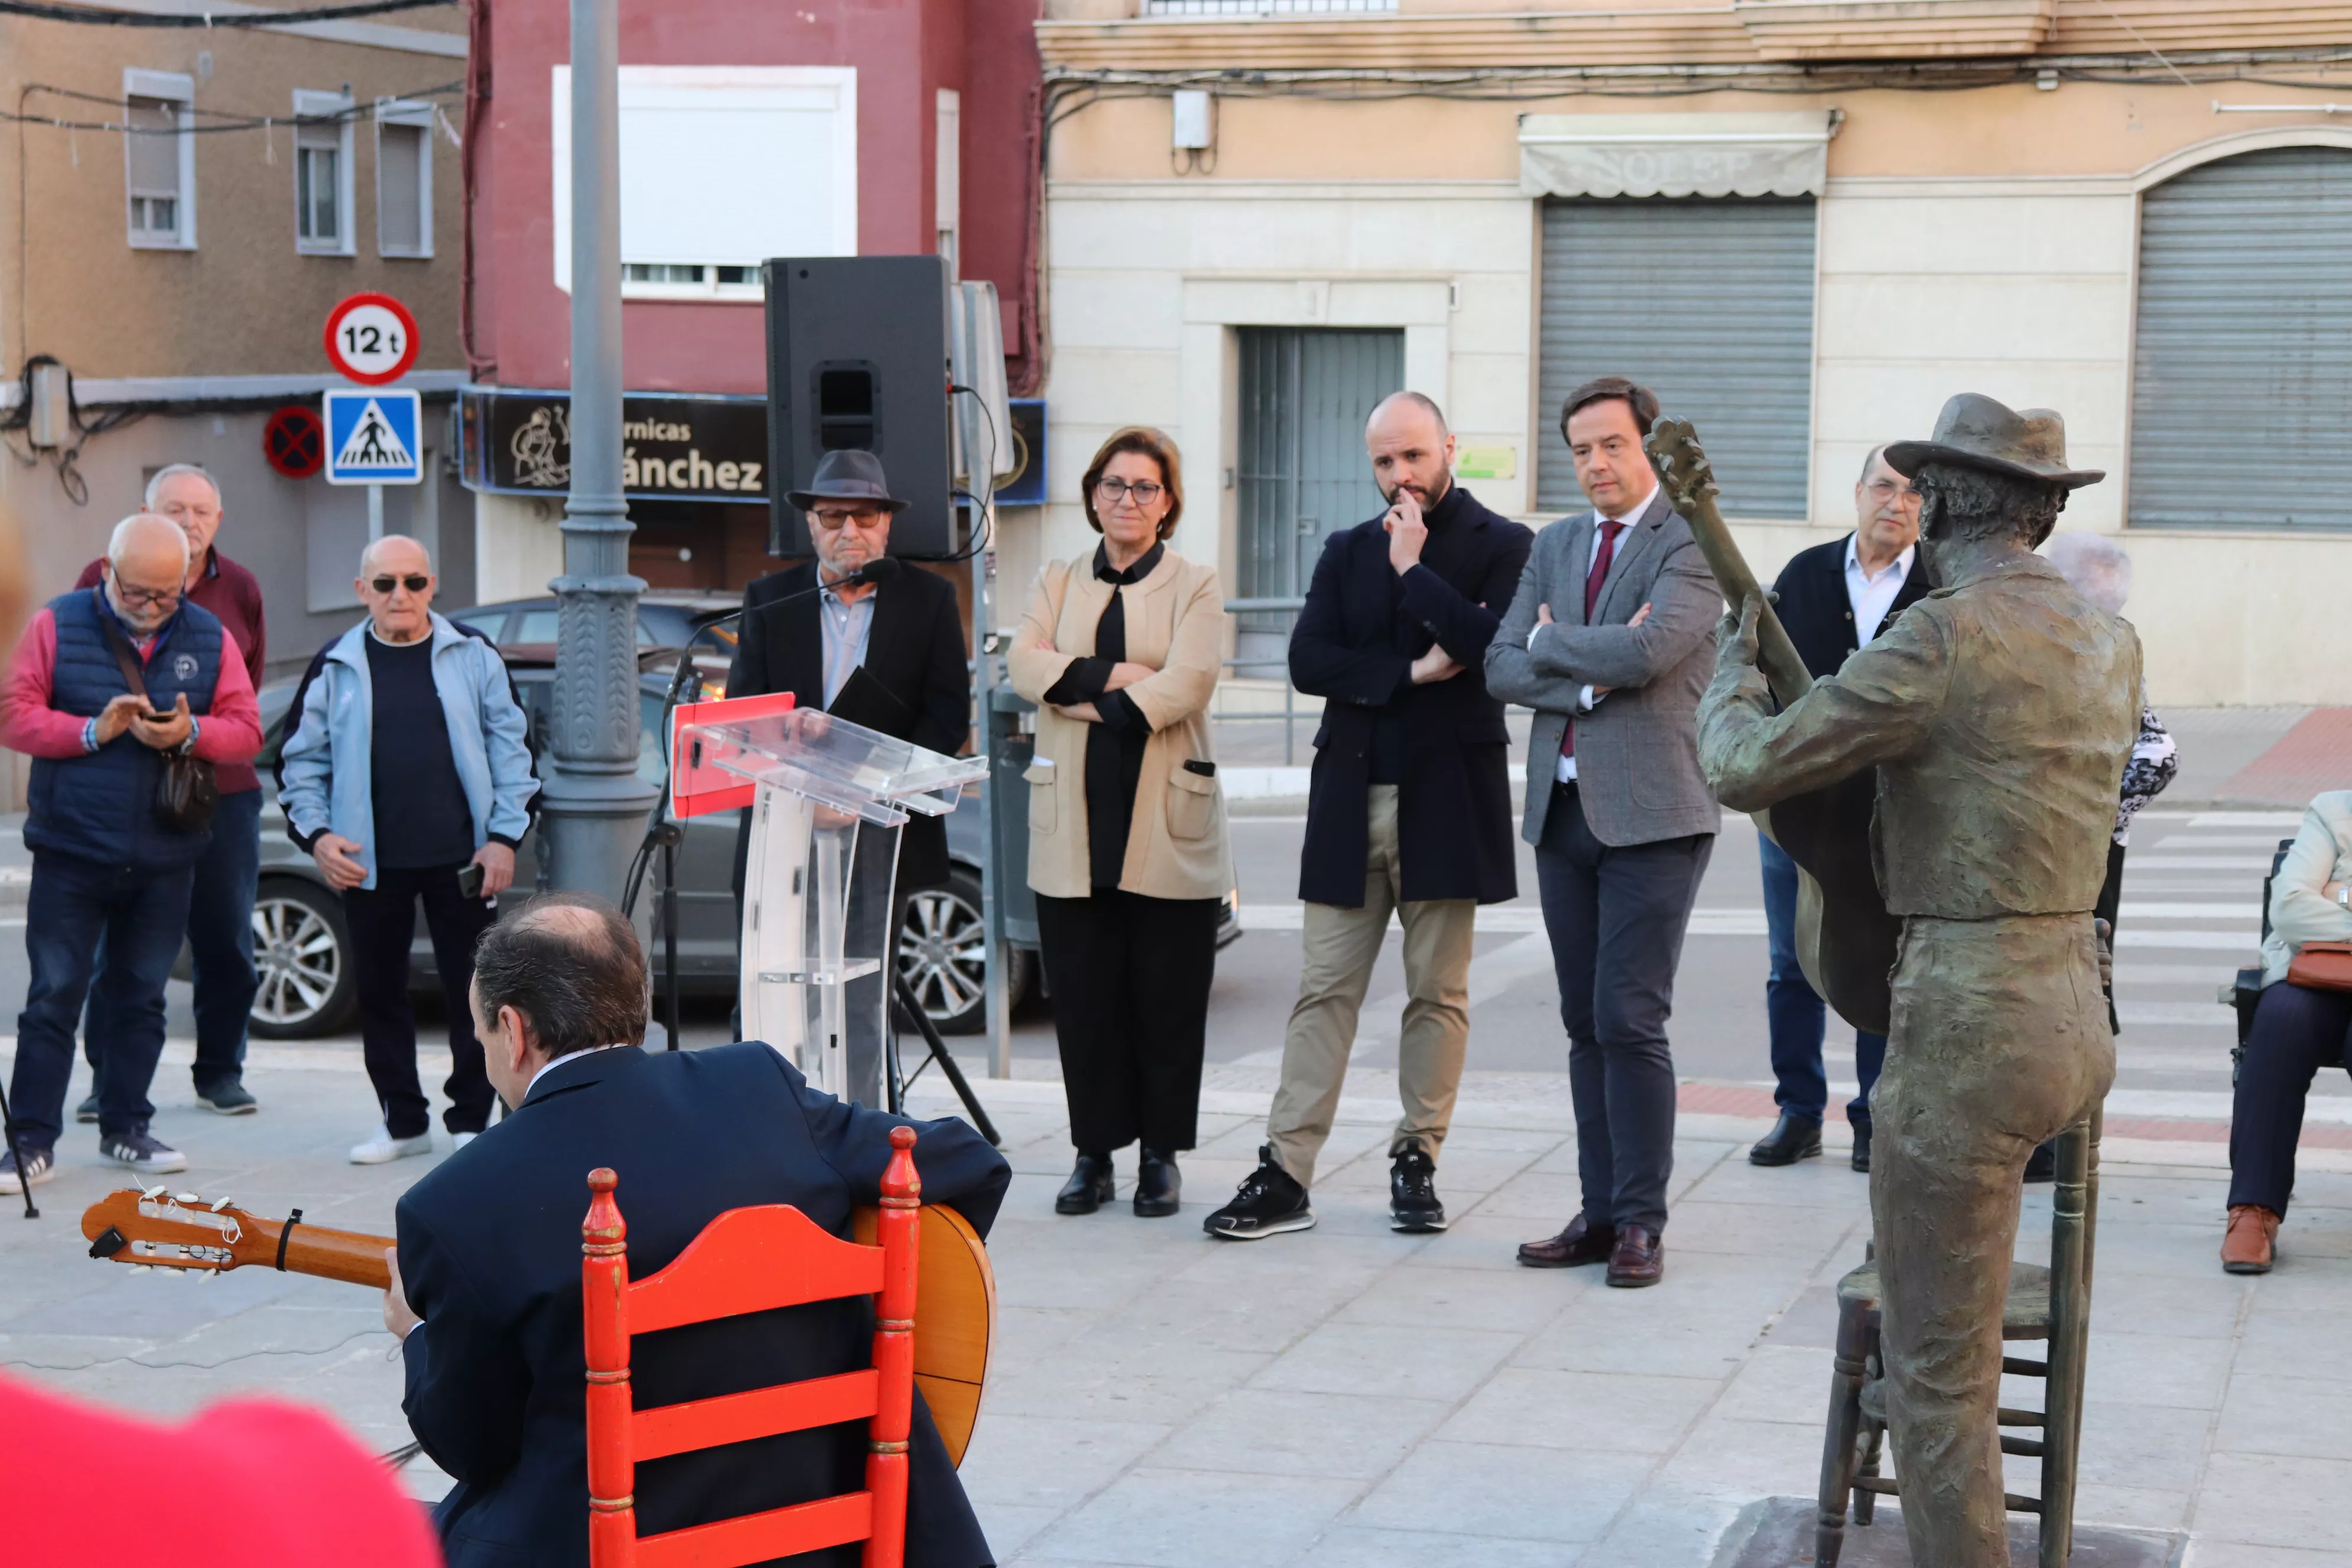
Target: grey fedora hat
column 847, row 475
column 1975, row 432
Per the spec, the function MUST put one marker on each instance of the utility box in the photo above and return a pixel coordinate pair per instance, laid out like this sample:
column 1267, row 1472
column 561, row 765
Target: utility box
column 49, row 422
column 1195, row 119
column 858, row 357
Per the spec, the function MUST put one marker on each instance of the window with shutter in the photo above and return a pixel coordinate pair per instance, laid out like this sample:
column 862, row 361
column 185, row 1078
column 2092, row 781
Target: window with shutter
column 403, row 178
column 158, row 160
column 322, row 173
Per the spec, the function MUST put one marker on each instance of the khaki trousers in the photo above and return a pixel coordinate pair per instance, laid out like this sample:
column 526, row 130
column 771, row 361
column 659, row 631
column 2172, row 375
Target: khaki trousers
column 1338, row 951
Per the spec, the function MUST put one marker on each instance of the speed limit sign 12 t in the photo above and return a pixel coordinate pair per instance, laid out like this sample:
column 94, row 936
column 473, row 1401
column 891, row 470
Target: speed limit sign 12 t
column 372, row 339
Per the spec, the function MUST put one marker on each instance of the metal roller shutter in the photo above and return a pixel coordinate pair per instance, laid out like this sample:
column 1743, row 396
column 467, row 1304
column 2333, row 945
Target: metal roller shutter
column 1709, row 304
column 2245, row 345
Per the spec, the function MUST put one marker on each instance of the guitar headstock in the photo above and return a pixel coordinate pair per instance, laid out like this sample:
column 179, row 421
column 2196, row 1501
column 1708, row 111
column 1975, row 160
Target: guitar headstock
column 169, row 1230
column 1681, row 464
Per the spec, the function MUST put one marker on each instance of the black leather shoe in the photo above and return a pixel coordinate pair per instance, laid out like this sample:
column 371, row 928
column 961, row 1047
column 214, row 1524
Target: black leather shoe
column 1089, row 1187
column 1638, row 1258
column 1581, row 1242
column 1861, row 1146
column 1792, row 1139
column 1159, row 1185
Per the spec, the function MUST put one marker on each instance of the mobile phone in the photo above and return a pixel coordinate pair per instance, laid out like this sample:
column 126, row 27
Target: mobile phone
column 470, row 881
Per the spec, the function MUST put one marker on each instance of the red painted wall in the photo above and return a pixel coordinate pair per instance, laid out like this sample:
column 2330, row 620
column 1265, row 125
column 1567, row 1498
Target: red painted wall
column 904, row 50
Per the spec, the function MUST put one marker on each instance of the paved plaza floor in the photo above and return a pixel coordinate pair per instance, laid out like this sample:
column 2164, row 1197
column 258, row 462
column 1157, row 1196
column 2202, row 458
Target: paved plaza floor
column 1347, row 1395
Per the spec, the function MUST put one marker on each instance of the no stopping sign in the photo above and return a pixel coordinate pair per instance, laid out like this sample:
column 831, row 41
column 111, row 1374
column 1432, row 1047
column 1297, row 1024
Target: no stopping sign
column 372, row 339
column 294, row 441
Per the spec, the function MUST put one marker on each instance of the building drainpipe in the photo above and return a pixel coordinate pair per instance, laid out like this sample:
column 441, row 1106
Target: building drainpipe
column 595, row 805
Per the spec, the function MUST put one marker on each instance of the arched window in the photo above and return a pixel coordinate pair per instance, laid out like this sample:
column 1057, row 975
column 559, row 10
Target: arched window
column 2242, row 389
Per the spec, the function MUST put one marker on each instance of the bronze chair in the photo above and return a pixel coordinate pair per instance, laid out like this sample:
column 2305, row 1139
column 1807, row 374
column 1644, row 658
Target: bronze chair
column 2051, row 1304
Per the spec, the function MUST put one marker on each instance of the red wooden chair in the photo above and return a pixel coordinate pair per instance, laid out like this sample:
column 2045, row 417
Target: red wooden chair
column 751, row 1260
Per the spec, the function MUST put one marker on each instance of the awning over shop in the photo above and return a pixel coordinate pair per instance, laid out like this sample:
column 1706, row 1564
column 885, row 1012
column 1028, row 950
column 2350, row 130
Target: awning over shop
column 1784, row 154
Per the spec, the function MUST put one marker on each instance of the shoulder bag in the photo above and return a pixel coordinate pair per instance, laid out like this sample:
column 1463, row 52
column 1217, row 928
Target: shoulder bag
column 187, row 791
column 2322, row 966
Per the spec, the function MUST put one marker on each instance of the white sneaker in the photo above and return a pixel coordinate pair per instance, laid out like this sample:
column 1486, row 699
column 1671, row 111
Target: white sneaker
column 459, row 1140
column 383, row 1148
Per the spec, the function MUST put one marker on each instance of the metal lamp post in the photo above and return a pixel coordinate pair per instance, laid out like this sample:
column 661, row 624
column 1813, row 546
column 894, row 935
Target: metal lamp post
column 595, row 805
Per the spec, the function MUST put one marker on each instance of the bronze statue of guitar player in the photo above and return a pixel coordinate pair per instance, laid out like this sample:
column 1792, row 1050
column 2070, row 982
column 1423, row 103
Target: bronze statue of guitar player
column 1998, row 713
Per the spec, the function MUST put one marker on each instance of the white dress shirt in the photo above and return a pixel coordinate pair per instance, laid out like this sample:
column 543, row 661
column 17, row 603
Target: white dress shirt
column 568, row 1057
column 1871, row 595
column 1565, row 766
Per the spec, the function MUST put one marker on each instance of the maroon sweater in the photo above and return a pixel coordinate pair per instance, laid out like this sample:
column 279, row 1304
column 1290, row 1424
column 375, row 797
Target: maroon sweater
column 231, row 592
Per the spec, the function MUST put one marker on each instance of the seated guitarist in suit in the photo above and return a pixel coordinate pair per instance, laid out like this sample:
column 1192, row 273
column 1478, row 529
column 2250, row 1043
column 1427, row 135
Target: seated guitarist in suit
column 485, row 1280
column 1832, row 598
column 891, row 654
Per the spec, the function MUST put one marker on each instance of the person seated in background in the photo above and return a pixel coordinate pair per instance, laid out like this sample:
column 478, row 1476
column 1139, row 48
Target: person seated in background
column 2298, row 1030
column 484, row 1293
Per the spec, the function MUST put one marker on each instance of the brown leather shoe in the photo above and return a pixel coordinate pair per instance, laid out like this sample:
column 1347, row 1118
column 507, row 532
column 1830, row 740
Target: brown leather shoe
column 1638, row 1258
column 2247, row 1248
column 1582, row 1242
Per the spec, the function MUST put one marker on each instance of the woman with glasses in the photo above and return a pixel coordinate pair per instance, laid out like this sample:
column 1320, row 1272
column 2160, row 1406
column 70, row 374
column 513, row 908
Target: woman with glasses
column 1127, row 827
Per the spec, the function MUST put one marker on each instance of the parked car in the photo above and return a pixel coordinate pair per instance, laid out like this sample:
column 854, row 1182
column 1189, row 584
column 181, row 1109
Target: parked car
column 666, row 619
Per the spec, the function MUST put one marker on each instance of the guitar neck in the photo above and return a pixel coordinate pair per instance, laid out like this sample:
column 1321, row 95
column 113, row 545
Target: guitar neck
column 1776, row 655
column 345, row 1255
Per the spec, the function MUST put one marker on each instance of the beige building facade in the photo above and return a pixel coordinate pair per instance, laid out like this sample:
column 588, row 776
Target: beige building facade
column 1808, row 225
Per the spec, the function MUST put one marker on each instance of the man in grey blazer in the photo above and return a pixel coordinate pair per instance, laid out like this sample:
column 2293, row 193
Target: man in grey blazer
column 1611, row 641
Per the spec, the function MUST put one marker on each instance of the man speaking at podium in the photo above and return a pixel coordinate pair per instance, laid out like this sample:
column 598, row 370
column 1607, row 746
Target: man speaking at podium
column 887, row 653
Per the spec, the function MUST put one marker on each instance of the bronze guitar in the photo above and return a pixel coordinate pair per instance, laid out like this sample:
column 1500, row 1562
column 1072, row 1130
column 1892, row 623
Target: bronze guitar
column 1845, row 938
column 955, row 1289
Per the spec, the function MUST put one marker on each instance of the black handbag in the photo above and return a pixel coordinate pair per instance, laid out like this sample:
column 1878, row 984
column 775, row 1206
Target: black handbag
column 187, row 791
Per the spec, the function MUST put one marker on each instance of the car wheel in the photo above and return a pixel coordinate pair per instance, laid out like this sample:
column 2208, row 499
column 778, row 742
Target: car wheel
column 302, row 951
column 943, row 955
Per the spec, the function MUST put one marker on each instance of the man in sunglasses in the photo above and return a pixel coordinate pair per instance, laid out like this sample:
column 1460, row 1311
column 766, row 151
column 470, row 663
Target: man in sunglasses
column 220, row 906
column 405, row 776
column 106, row 681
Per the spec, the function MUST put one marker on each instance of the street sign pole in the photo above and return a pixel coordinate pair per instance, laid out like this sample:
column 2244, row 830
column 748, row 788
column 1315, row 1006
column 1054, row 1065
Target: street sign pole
column 595, row 805
column 375, row 513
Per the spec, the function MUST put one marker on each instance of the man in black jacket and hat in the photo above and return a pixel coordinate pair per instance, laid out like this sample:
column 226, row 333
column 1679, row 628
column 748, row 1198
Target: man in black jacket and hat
column 1409, row 810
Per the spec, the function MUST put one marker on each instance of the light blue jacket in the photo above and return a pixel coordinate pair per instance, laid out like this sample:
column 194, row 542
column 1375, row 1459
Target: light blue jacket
column 324, row 771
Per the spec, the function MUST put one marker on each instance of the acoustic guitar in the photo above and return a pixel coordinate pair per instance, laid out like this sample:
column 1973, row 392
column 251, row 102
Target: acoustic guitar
column 955, row 1289
column 1845, row 939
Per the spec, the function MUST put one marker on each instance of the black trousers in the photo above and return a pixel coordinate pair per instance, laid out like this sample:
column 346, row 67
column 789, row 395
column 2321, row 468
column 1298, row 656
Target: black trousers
column 1616, row 914
column 382, row 921
column 2296, row 1032
column 1130, row 982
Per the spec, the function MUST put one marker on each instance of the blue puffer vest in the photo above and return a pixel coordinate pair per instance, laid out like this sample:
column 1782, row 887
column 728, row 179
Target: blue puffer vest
column 102, row 807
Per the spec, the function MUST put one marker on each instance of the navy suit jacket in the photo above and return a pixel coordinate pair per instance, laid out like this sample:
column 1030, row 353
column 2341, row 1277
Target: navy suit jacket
column 490, row 1254
column 1354, row 647
column 1812, row 605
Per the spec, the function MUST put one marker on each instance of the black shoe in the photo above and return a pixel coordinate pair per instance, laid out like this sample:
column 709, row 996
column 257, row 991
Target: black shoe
column 1268, row 1202
column 40, row 1166
column 87, row 1111
column 1792, row 1139
column 1159, row 1185
column 1413, row 1193
column 1090, row 1186
column 142, row 1152
column 1861, row 1146
column 230, row 1096
column 2044, row 1165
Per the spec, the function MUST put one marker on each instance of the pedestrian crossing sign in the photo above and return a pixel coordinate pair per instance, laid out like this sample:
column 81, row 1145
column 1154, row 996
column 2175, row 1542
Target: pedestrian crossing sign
column 373, row 438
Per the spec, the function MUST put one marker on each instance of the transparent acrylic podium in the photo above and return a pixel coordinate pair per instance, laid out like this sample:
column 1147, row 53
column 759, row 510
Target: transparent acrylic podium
column 827, row 799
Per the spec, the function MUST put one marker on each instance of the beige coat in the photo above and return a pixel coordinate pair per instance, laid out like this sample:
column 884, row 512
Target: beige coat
column 1176, row 623
column 2322, row 854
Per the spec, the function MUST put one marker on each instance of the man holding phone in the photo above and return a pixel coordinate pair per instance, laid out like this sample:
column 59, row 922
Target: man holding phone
column 404, row 775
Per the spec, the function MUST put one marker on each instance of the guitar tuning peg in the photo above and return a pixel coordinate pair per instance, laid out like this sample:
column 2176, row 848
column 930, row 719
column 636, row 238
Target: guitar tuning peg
column 219, row 1203
column 186, row 1198
column 153, row 1192
column 142, row 1269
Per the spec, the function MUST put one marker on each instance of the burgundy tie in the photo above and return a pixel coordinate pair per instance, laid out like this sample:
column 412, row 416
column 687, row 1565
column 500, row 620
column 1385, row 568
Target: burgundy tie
column 1609, row 529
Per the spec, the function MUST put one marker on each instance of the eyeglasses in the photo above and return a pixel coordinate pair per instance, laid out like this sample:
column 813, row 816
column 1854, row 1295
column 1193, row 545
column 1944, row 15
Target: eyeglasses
column 130, row 596
column 864, row 517
column 1881, row 489
column 415, row 582
column 1117, row 491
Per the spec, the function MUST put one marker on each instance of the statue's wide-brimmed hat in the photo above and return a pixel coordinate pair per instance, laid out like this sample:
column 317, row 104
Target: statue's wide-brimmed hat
column 847, row 475
column 1975, row 432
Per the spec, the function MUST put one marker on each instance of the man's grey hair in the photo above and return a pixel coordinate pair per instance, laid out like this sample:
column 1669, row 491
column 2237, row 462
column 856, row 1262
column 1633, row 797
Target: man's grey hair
column 1870, row 461
column 2096, row 565
column 126, row 532
column 367, row 556
column 1959, row 502
column 571, row 965
column 173, row 470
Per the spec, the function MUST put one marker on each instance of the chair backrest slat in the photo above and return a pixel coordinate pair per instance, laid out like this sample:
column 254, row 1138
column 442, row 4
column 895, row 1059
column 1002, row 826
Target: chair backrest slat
column 667, row 1429
column 750, row 1260
column 757, row 1537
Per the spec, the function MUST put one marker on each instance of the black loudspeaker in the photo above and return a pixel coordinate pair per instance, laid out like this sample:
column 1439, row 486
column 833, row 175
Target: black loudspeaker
column 858, row 357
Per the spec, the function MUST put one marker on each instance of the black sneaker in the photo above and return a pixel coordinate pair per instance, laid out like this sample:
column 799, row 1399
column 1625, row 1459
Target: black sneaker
column 87, row 1111
column 1413, row 1193
column 40, row 1166
column 229, row 1099
column 143, row 1153
column 1268, row 1202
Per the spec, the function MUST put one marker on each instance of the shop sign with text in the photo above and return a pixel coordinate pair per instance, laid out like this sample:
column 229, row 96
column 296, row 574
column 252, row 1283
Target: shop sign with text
column 672, row 448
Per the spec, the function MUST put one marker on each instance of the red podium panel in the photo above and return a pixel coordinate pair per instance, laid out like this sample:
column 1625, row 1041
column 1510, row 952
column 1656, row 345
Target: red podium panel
column 698, row 785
